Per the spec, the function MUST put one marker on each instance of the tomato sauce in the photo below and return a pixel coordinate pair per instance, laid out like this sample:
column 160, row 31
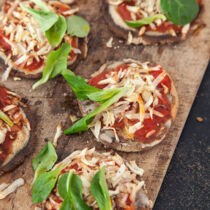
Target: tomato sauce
column 94, row 81
column 163, row 106
column 3, row 44
column 34, row 65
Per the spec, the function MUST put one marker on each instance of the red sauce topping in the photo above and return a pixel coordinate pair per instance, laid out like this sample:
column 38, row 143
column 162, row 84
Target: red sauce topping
column 4, row 44
column 124, row 13
column 163, row 106
column 34, row 65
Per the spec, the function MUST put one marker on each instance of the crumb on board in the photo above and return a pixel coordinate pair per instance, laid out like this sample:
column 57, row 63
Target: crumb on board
column 73, row 118
column 109, row 42
column 16, row 78
column 199, row 119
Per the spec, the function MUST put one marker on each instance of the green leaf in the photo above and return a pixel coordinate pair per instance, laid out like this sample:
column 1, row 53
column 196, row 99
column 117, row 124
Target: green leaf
column 56, row 63
column 62, row 185
column 45, row 19
column 103, row 95
column 44, row 185
column 79, row 86
column 145, row 21
column 100, row 190
column 77, row 26
column 70, row 188
column 41, row 5
column 67, row 205
column 6, row 119
column 82, row 124
column 180, row 12
column 84, row 91
column 56, row 33
column 45, row 160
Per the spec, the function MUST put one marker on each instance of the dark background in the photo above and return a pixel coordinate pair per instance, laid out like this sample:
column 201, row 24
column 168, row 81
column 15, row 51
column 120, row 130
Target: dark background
column 186, row 184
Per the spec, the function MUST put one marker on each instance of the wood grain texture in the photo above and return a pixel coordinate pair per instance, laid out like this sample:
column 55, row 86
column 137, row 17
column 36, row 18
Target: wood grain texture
column 54, row 102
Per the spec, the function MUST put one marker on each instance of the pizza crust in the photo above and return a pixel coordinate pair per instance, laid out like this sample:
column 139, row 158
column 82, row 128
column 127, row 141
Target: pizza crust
column 149, row 38
column 129, row 145
column 25, row 144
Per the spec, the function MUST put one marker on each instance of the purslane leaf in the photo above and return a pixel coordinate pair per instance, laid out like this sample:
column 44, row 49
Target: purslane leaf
column 45, row 19
column 44, row 184
column 56, row 63
column 56, row 33
column 6, row 119
column 70, row 189
column 180, row 12
column 100, row 190
column 84, row 91
column 82, row 124
column 45, row 160
column 145, row 21
column 79, row 86
column 77, row 26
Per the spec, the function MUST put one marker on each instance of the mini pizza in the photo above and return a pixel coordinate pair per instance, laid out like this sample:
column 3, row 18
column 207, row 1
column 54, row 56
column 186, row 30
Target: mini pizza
column 142, row 117
column 23, row 45
column 161, row 30
column 125, row 185
column 15, row 141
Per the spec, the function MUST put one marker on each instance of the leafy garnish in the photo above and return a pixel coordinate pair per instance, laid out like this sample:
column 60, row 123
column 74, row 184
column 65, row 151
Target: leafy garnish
column 70, row 189
column 180, row 12
column 79, row 86
column 6, row 119
column 56, row 63
column 56, row 33
column 145, row 21
column 100, row 190
column 41, row 5
column 45, row 19
column 82, row 124
column 77, row 26
column 45, row 160
column 84, row 91
column 44, row 184
column 52, row 24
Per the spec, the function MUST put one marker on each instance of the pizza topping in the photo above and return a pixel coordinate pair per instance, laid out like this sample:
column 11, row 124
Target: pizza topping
column 152, row 15
column 6, row 189
column 13, row 124
column 143, row 111
column 123, row 187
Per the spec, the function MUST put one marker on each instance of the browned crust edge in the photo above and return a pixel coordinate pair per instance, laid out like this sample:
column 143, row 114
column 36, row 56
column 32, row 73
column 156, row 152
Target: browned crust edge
column 18, row 73
column 146, row 39
column 131, row 146
column 29, row 147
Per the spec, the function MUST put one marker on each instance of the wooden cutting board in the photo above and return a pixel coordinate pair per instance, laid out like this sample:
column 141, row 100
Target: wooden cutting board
column 54, row 102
